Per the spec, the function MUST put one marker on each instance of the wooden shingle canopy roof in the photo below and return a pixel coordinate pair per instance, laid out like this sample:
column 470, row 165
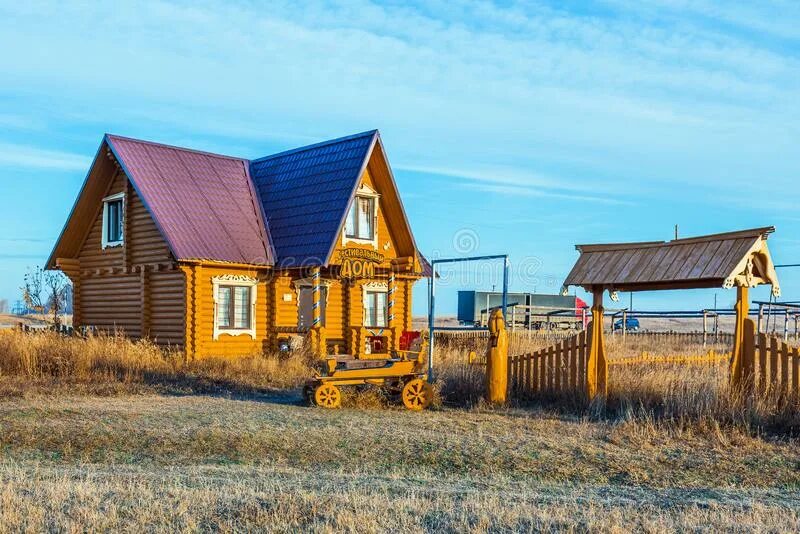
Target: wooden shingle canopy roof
column 719, row 260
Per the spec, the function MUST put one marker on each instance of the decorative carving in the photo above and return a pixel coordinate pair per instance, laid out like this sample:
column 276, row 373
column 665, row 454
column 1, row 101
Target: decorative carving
column 375, row 286
column 235, row 279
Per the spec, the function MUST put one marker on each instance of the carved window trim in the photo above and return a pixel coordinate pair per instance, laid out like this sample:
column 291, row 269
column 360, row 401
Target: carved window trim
column 374, row 287
column 235, row 280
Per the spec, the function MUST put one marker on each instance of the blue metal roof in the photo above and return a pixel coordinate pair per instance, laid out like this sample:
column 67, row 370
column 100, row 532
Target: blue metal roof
column 305, row 194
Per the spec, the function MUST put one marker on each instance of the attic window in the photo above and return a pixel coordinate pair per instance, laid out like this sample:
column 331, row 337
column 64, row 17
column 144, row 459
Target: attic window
column 361, row 222
column 360, row 219
column 113, row 220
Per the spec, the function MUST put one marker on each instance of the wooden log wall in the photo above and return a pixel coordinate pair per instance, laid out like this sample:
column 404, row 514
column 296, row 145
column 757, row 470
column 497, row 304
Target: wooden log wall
column 134, row 288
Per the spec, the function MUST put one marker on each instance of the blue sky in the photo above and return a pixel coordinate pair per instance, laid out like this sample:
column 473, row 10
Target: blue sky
column 520, row 128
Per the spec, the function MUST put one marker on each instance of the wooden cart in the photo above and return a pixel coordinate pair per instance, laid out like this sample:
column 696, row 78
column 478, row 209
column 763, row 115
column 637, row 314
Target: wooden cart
column 403, row 374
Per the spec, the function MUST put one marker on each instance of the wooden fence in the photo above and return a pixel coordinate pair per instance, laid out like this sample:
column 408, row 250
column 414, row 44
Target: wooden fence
column 64, row 330
column 556, row 369
column 683, row 337
column 462, row 336
column 771, row 368
column 455, row 336
column 710, row 358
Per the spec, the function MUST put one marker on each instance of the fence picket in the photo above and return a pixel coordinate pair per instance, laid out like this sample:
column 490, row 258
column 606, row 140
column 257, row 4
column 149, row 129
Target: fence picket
column 784, row 372
column 549, row 367
column 796, row 372
column 583, row 342
column 557, row 356
column 543, row 370
column 523, row 379
column 573, row 363
column 762, row 364
column 773, row 363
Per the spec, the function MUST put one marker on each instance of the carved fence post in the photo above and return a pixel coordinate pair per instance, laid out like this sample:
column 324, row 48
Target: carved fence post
column 742, row 305
column 596, row 366
column 497, row 360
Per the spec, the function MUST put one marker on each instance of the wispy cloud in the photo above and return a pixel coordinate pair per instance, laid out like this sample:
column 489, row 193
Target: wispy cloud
column 31, row 157
column 675, row 108
column 27, row 239
column 15, row 256
column 518, row 191
column 524, row 80
column 517, row 182
column 497, row 175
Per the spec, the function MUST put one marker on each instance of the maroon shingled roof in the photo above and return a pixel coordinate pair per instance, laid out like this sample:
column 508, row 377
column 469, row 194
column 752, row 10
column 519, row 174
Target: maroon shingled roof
column 204, row 204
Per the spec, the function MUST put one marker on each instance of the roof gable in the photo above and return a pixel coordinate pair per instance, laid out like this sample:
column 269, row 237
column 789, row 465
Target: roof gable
column 289, row 207
column 204, row 204
column 305, row 194
column 391, row 203
column 84, row 210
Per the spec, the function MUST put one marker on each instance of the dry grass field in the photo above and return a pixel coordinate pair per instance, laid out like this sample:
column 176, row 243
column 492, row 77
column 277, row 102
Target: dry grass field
column 103, row 434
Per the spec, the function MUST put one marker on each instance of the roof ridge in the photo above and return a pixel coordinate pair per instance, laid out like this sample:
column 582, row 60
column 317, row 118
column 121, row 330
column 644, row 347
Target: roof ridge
column 750, row 232
column 316, row 145
column 175, row 147
column 736, row 234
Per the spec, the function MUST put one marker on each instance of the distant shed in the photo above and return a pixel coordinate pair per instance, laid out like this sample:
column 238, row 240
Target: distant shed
column 473, row 305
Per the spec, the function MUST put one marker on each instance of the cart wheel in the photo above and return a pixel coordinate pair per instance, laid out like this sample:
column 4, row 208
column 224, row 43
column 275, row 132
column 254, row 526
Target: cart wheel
column 417, row 394
column 327, row 396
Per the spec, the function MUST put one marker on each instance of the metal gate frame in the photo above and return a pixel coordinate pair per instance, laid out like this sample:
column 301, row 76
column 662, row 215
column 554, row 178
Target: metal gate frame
column 432, row 298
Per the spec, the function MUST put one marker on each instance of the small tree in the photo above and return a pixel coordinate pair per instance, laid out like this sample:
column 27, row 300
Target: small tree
column 57, row 290
column 46, row 290
column 33, row 290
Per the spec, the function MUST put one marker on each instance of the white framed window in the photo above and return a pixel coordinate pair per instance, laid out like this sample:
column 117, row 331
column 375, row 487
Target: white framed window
column 234, row 305
column 361, row 225
column 376, row 305
column 113, row 220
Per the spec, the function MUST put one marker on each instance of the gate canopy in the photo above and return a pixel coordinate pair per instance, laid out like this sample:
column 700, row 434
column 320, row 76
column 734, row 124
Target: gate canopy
column 719, row 260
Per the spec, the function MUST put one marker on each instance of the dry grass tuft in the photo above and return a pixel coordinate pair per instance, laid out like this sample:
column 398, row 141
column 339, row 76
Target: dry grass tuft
column 108, row 364
column 155, row 463
column 675, row 394
column 678, row 396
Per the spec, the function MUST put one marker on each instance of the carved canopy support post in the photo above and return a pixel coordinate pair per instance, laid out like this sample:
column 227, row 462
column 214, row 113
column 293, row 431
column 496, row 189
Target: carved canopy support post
column 317, row 330
column 497, row 360
column 596, row 366
column 742, row 309
column 392, row 288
